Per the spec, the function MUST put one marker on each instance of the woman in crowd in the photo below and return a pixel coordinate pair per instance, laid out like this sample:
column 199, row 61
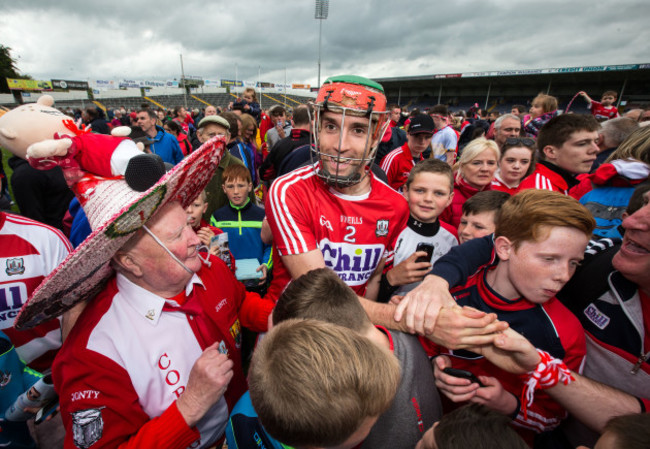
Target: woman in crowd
column 474, row 173
column 175, row 129
column 517, row 161
column 248, row 135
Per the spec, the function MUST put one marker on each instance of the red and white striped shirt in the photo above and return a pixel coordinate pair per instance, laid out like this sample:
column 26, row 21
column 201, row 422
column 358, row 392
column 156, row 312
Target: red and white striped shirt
column 352, row 232
column 29, row 251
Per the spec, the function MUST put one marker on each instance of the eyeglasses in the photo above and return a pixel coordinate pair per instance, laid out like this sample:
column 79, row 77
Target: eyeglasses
column 518, row 141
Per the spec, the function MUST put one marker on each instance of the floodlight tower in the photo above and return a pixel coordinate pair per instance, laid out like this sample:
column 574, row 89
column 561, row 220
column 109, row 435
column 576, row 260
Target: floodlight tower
column 322, row 8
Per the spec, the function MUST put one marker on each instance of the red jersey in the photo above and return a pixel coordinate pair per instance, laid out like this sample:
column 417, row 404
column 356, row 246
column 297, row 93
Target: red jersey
column 501, row 186
column 29, row 251
column 352, row 232
column 544, row 178
column 603, row 112
column 397, row 165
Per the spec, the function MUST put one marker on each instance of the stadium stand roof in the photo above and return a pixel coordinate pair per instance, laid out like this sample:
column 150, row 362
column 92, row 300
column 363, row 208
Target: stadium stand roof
column 494, row 88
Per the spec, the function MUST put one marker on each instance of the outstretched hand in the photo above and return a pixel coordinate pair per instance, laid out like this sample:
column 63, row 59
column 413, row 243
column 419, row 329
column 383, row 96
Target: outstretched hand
column 465, row 327
column 420, row 307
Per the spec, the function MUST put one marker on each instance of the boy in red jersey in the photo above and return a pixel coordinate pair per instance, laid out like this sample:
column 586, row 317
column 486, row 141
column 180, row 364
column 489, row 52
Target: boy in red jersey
column 567, row 146
column 540, row 239
column 603, row 109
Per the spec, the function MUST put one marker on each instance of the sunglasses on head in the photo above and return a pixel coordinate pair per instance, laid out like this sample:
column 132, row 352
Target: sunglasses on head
column 515, row 141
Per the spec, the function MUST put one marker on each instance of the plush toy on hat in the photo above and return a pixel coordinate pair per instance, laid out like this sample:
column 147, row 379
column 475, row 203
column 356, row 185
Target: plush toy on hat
column 46, row 137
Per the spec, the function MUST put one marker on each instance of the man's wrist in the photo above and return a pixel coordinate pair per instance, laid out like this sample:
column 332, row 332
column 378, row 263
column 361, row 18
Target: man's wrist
column 187, row 410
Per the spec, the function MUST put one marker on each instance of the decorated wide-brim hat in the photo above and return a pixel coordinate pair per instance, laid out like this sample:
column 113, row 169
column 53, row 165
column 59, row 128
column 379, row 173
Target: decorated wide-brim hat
column 115, row 212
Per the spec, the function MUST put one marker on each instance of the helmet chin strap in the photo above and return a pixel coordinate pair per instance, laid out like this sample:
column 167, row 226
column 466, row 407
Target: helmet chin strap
column 162, row 245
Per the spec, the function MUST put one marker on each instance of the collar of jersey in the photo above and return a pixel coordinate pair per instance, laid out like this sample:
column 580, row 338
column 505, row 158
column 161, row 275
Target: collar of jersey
column 425, row 229
column 495, row 300
column 146, row 304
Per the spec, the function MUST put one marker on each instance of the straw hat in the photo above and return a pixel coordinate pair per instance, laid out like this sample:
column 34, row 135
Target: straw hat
column 115, row 211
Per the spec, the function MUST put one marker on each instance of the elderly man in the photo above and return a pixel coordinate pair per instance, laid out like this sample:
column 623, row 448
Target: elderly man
column 508, row 125
column 612, row 133
column 153, row 360
column 210, row 110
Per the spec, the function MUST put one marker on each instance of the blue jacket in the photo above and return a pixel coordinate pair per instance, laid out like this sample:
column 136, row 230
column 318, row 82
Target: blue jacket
column 15, row 379
column 243, row 225
column 166, row 146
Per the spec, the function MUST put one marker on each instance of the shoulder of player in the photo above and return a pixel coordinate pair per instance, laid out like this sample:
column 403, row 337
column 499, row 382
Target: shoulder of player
column 33, row 226
column 292, row 178
column 567, row 324
column 449, row 230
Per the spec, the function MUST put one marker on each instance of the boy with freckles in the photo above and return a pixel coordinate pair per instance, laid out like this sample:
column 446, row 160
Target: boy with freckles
column 540, row 240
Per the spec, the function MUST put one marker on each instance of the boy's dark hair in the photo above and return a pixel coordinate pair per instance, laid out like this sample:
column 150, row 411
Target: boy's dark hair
column 432, row 166
column 92, row 112
column 520, row 107
column 177, row 109
column 487, row 201
column 636, row 200
column 630, row 431
column 609, row 93
column 559, row 129
column 174, row 126
column 301, row 114
column 321, row 295
column 236, row 171
column 232, row 120
column 277, row 110
column 441, row 109
column 475, row 425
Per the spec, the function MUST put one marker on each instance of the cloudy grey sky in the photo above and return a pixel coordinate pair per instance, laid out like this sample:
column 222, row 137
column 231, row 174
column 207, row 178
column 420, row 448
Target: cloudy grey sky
column 114, row 39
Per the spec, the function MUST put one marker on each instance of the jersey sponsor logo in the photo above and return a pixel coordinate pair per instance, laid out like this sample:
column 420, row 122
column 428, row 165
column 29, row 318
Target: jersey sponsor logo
column 597, row 317
column 351, row 220
column 382, row 228
column 15, row 266
column 84, row 394
column 325, row 222
column 353, row 263
column 87, row 427
column 12, row 296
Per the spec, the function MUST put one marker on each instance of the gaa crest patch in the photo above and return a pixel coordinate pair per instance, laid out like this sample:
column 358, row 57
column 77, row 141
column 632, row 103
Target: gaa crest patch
column 15, row 266
column 382, row 228
column 87, row 427
column 235, row 333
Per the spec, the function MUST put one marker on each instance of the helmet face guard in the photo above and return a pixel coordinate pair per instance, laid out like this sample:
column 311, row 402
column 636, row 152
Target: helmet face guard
column 348, row 96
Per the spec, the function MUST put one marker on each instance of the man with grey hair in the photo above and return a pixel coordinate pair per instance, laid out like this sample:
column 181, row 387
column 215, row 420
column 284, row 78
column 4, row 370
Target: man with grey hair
column 508, row 125
column 611, row 134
